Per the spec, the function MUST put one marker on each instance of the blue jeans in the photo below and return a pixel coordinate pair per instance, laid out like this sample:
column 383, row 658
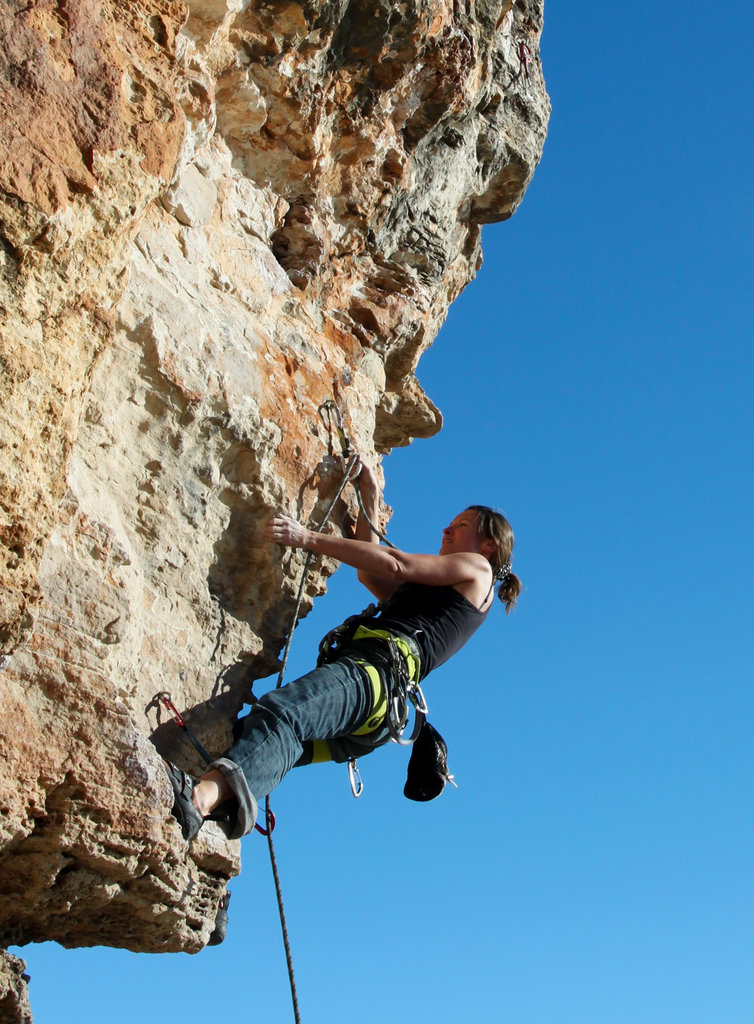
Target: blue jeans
column 331, row 701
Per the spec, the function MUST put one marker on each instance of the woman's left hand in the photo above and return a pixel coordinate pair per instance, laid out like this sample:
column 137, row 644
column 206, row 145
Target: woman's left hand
column 286, row 531
column 367, row 482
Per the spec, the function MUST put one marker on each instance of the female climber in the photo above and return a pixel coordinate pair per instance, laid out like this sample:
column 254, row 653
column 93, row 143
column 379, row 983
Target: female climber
column 430, row 606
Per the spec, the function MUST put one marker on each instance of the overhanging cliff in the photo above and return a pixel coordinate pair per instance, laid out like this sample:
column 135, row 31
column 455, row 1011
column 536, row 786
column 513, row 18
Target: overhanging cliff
column 214, row 216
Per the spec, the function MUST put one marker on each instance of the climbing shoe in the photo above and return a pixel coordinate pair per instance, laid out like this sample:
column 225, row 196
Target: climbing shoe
column 221, row 922
column 184, row 809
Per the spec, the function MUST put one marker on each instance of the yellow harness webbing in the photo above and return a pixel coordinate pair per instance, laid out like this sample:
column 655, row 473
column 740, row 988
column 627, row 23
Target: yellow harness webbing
column 321, row 751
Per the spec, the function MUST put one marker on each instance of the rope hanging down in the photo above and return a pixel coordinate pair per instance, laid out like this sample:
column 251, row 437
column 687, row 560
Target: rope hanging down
column 351, row 465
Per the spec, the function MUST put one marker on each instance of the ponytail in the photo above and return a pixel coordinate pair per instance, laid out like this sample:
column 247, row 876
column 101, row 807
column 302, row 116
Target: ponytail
column 493, row 525
column 509, row 586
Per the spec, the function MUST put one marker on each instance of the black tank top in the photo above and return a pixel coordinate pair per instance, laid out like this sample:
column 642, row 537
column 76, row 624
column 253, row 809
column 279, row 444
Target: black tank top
column 440, row 618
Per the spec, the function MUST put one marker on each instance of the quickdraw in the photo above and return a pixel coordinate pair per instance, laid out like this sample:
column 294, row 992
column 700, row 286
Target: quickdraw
column 330, row 415
column 524, row 56
column 167, row 700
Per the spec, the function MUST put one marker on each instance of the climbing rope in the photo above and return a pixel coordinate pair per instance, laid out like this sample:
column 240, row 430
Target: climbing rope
column 281, row 912
column 284, row 661
column 351, row 465
column 372, row 527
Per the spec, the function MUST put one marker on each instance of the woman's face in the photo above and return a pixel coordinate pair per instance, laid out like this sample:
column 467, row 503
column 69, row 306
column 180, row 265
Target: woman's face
column 463, row 535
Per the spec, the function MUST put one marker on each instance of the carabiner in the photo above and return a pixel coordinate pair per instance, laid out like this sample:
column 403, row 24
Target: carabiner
column 399, row 711
column 417, row 698
column 354, row 777
column 398, row 737
column 167, row 700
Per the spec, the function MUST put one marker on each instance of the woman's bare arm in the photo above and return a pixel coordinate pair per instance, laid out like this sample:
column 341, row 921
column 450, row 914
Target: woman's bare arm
column 383, row 564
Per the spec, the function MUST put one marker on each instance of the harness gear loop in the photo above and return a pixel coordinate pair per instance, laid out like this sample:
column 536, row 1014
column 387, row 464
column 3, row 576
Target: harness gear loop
column 354, row 777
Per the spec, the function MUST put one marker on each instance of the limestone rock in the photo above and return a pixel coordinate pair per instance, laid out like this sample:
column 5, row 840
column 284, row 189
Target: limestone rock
column 14, row 994
column 214, row 217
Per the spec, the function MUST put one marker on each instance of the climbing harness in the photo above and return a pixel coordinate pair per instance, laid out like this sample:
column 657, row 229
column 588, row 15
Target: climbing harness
column 405, row 660
column 391, row 704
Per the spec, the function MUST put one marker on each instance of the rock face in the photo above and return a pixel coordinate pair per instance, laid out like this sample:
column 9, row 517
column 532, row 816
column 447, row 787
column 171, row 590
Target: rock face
column 214, row 217
column 14, row 995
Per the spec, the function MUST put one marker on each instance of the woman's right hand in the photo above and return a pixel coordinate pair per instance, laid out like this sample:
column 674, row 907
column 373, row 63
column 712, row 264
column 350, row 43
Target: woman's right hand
column 286, row 531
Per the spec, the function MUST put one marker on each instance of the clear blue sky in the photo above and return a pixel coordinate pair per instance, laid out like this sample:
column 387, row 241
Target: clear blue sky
column 595, row 865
